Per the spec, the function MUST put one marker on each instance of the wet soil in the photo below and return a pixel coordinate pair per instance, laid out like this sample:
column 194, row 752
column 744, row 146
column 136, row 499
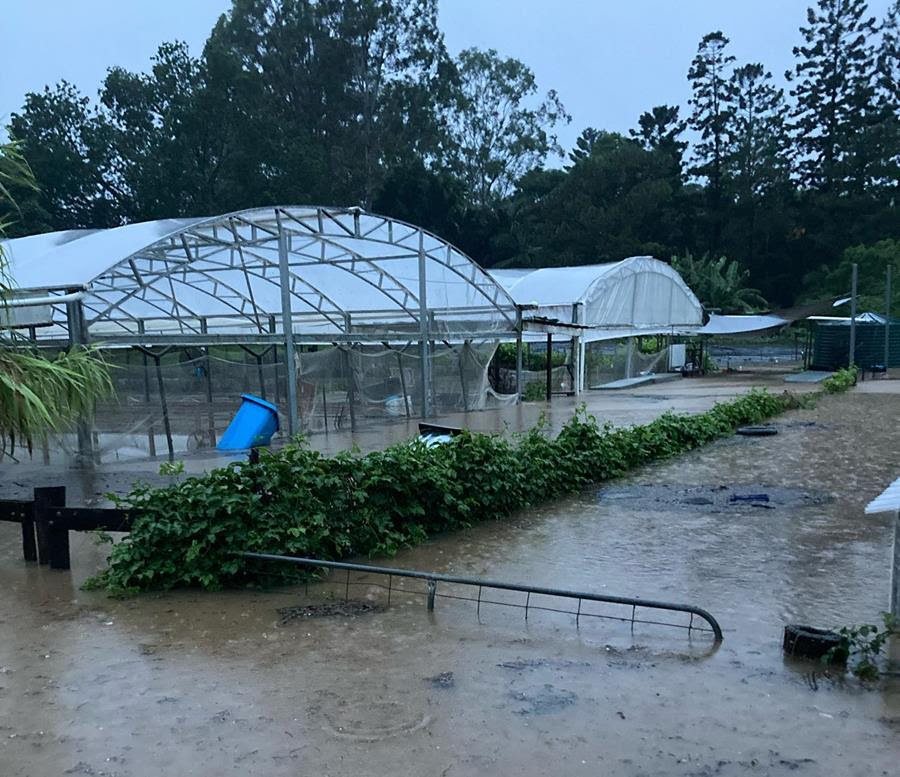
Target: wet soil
column 209, row 684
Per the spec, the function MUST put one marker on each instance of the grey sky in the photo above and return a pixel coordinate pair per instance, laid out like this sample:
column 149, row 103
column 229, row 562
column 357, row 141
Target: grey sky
column 608, row 59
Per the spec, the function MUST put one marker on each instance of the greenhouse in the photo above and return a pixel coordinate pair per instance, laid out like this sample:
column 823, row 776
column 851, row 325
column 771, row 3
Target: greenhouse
column 384, row 319
column 636, row 297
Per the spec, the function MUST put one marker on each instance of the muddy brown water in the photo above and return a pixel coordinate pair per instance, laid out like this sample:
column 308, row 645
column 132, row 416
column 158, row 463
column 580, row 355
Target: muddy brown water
column 209, row 684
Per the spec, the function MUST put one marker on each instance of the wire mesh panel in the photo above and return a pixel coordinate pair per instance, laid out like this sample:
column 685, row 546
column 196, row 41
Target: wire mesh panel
column 186, row 396
column 342, row 578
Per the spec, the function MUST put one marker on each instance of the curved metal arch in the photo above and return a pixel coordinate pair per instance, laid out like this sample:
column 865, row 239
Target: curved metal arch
column 314, row 289
column 388, row 284
column 414, row 232
column 356, row 257
column 217, row 281
column 465, row 258
column 166, row 243
column 103, row 314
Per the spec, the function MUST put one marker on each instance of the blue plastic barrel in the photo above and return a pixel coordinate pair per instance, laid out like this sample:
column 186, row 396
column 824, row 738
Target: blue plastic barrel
column 253, row 425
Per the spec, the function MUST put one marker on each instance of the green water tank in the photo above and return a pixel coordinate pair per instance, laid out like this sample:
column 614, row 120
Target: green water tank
column 831, row 343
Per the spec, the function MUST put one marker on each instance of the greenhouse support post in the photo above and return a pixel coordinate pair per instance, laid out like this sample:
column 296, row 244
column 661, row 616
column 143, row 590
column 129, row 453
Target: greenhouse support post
column 78, row 337
column 577, row 356
column 887, row 318
column 287, row 327
column 895, row 570
column 424, row 352
column 518, row 357
column 549, row 366
column 852, row 355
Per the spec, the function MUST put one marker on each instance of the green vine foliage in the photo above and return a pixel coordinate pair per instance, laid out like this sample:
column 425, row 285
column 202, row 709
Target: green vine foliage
column 842, row 380
column 862, row 645
column 296, row 501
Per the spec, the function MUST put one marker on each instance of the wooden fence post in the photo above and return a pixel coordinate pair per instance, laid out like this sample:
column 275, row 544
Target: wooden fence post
column 29, row 546
column 53, row 540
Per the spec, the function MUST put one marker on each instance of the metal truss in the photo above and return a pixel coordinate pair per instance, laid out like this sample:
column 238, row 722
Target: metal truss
column 227, row 267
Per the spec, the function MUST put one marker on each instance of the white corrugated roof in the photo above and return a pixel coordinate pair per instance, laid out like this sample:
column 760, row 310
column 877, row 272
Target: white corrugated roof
column 887, row 500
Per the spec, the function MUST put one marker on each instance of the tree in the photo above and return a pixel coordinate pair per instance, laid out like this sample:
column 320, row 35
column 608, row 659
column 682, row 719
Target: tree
column 757, row 145
column 758, row 168
column 833, row 90
column 720, row 284
column 711, row 103
column 335, row 93
column 660, row 129
column 885, row 136
column 615, row 202
column 872, row 262
column 67, row 145
column 37, row 395
column 584, row 144
column 497, row 131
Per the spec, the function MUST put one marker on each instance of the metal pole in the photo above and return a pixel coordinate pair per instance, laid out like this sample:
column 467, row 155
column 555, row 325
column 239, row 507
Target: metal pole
column 287, row 327
column 460, row 358
column 424, row 366
column 151, row 432
column 275, row 361
column 210, row 414
column 78, row 338
column 852, row 356
column 887, row 320
column 518, row 357
column 629, row 355
column 895, row 573
column 549, row 366
column 164, row 404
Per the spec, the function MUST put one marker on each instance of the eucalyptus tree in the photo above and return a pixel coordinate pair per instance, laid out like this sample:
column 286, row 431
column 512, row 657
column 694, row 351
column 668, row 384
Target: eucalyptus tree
column 336, row 92
column 499, row 126
column 67, row 144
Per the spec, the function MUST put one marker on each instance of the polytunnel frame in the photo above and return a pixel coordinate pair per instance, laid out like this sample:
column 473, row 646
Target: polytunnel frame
column 194, row 252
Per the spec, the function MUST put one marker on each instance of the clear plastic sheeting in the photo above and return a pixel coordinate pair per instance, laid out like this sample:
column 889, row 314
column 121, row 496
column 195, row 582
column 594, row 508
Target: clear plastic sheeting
column 350, row 273
column 609, row 360
column 636, row 296
column 187, row 396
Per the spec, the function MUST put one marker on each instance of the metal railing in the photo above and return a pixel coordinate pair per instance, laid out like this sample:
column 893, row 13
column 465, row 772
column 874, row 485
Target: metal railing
column 433, row 578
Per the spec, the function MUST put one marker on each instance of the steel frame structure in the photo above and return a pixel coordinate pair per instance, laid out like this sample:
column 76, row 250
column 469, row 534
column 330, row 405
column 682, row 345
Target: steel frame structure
column 323, row 274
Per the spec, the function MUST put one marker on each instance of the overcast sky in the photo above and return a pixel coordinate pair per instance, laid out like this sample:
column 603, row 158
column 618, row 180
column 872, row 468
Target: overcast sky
column 608, row 59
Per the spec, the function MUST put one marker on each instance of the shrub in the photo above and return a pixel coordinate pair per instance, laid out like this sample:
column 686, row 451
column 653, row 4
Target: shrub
column 296, row 501
column 841, row 380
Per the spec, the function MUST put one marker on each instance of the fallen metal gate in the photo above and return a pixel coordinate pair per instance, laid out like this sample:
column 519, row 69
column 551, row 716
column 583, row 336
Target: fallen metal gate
column 432, row 579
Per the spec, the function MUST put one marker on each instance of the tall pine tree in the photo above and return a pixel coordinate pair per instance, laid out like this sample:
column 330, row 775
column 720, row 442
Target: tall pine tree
column 758, row 168
column 834, row 91
column 711, row 104
column 660, row 129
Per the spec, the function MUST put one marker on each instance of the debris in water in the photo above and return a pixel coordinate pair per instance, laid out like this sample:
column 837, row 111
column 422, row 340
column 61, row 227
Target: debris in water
column 442, row 680
column 349, row 609
column 543, row 700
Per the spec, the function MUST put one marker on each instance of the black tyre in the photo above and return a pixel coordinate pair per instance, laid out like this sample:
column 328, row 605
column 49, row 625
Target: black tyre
column 808, row 642
column 757, row 431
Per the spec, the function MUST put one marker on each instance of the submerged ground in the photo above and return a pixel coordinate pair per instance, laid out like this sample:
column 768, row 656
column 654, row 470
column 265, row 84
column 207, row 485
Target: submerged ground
column 210, row 684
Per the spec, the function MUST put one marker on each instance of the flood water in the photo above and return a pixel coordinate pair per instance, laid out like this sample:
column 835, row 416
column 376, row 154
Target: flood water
column 209, row 684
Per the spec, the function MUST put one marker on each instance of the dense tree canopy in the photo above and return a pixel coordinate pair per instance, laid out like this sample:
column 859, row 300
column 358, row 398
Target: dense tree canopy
column 359, row 102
